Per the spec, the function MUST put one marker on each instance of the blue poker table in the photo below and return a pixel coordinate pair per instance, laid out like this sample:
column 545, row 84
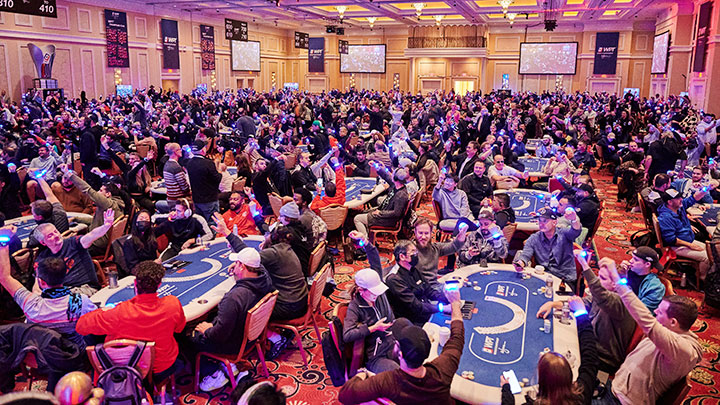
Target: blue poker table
column 533, row 144
column 526, row 203
column 534, row 165
column 504, row 332
column 27, row 224
column 685, row 174
column 199, row 284
column 708, row 215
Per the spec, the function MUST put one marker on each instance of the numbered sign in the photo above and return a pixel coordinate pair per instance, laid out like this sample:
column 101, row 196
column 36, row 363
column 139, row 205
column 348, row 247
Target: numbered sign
column 43, row 8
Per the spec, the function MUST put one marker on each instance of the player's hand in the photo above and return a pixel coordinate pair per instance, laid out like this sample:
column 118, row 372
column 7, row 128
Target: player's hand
column 108, row 217
column 150, row 155
column 698, row 248
column 380, row 325
column 452, row 296
column 187, row 244
column 473, row 251
column 96, row 171
column 570, row 214
column 220, row 227
column 358, row 236
column 462, row 231
column 576, row 303
column 580, row 256
column 503, row 380
column 12, row 168
column 519, row 266
column 172, row 216
column 203, row 326
column 547, row 307
column 486, row 202
column 608, row 270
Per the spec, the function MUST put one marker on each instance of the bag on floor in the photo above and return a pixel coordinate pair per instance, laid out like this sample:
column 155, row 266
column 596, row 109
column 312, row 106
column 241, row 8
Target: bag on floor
column 333, row 354
column 122, row 383
column 643, row 238
column 712, row 289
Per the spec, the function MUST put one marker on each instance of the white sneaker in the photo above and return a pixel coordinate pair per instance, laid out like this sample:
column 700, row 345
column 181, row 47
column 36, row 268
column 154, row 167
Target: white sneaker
column 216, row 380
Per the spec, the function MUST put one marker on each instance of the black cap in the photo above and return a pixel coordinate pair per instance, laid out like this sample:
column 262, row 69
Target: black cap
column 414, row 342
column 649, row 255
column 670, row 194
column 586, row 188
column 198, row 144
column 547, row 212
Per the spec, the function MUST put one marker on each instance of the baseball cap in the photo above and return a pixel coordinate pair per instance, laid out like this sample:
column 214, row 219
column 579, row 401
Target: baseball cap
column 290, row 210
column 670, row 194
column 369, row 279
column 546, row 212
column 649, row 255
column 248, row 256
column 547, row 137
column 414, row 341
column 198, row 144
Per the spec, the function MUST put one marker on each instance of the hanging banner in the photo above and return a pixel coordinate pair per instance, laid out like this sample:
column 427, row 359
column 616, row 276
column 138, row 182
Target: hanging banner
column 703, row 31
column 207, row 47
column 116, row 38
column 316, row 55
column 606, row 51
column 171, row 50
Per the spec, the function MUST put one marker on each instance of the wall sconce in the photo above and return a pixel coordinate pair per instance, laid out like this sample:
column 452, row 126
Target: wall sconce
column 273, row 79
column 118, row 77
column 511, row 18
column 213, row 80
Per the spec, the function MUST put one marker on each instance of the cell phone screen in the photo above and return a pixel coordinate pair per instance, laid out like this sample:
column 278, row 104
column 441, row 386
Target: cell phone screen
column 452, row 285
column 512, row 379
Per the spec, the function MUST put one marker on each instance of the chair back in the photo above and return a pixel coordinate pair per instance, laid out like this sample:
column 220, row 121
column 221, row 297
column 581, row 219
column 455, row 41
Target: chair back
column 120, row 351
column 509, row 231
column 656, row 229
column 290, row 160
column 669, row 290
column 438, row 210
column 275, row 203
column 24, row 259
column 142, row 149
column 117, row 230
column 598, row 221
column 239, row 184
column 644, row 211
column 334, row 216
column 101, row 276
column 316, row 290
column 599, row 151
column 316, row 257
column 22, row 173
column 259, row 315
column 418, row 198
column 676, row 393
column 432, row 172
column 554, row 184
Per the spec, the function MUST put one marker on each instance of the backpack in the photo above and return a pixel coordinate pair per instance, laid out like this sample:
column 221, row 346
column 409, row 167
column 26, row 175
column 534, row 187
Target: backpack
column 334, row 359
column 712, row 289
column 643, row 238
column 122, row 383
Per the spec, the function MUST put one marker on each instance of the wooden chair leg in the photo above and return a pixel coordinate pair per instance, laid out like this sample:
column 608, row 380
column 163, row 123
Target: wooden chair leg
column 317, row 330
column 197, row 373
column 231, row 376
column 261, row 356
column 298, row 339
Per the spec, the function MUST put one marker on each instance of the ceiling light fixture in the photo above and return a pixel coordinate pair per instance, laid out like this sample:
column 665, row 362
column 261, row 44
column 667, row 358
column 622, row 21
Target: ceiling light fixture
column 438, row 19
column 505, row 4
column 511, row 18
column 341, row 12
column 371, row 21
column 418, row 8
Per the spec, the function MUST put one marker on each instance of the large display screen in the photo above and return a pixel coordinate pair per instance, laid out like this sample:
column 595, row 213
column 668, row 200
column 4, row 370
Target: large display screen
column 245, row 55
column 548, row 58
column 661, row 45
column 363, row 59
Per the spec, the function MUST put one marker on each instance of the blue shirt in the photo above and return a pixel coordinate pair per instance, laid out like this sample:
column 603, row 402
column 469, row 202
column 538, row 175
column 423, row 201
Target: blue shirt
column 685, row 187
column 546, row 151
column 676, row 226
column 555, row 254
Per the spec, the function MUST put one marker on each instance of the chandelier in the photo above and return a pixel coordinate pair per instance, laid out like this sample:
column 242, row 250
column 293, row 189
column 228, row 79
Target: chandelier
column 418, row 8
column 505, row 4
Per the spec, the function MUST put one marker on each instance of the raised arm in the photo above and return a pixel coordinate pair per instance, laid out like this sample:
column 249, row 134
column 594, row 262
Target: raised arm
column 6, row 278
column 108, row 218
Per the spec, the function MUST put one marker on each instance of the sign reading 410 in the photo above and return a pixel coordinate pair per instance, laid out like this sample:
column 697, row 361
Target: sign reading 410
column 43, row 8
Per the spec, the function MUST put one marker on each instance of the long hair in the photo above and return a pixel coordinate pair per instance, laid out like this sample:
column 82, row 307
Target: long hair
column 555, row 381
column 142, row 239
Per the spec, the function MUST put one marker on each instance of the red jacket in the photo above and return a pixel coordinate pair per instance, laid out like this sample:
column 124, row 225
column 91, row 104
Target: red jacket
column 144, row 317
column 244, row 220
column 322, row 202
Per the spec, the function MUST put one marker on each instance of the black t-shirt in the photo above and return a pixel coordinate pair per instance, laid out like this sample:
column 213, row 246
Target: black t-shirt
column 663, row 159
column 80, row 268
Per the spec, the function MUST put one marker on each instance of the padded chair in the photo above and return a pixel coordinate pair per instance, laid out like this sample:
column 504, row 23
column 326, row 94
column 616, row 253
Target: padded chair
column 603, row 164
column 316, row 258
column 669, row 257
column 25, row 258
column 120, row 351
column 418, row 198
column 509, row 232
column 302, row 323
column 394, row 230
column 442, row 234
column 334, row 216
column 645, row 212
column 117, row 230
column 669, row 289
column 100, row 272
column 355, row 354
column 276, row 203
column 591, row 234
column 676, row 393
column 256, row 324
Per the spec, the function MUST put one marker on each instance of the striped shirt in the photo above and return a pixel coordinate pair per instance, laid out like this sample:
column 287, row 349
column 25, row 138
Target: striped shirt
column 175, row 181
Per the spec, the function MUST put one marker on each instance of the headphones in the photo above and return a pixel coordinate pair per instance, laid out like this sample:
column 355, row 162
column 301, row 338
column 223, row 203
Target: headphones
column 188, row 212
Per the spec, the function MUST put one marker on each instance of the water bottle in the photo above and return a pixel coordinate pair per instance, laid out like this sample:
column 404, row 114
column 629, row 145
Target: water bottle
column 113, row 279
column 547, row 325
column 235, row 230
column 683, row 280
column 565, row 313
column 549, row 286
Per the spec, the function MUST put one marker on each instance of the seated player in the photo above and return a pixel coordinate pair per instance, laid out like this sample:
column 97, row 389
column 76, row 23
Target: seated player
column 667, row 354
column 144, row 317
column 430, row 252
column 81, row 276
column 244, row 213
column 140, row 245
column 552, row 246
column 555, row 376
column 47, row 211
column 182, row 229
column 477, row 187
column 504, row 177
column 393, row 207
column 226, row 332
column 503, row 212
column 303, row 197
column 487, row 244
column 56, row 308
column 641, row 276
column 415, row 382
column 453, row 201
column 334, row 193
column 368, row 318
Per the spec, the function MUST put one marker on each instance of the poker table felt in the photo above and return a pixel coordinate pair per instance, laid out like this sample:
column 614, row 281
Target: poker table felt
column 708, row 214
column 354, row 197
column 199, row 285
column 534, row 165
column 27, row 224
column 504, row 332
column 526, row 203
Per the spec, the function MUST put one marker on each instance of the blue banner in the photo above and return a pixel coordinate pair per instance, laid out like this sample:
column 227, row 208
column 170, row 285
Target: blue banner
column 171, row 49
column 316, row 55
column 606, row 51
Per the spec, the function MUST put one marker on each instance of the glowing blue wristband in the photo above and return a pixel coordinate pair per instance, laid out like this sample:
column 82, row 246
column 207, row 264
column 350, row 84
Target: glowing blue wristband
column 580, row 312
column 440, row 307
column 622, row 281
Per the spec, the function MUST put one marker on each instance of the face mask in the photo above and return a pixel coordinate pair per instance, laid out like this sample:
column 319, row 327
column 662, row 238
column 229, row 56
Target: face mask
column 414, row 260
column 142, row 226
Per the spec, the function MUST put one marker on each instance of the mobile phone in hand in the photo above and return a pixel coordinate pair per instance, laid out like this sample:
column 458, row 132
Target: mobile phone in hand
column 452, row 285
column 512, row 379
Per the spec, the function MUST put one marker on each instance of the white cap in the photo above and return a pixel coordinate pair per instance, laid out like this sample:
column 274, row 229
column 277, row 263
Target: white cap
column 369, row 279
column 248, row 256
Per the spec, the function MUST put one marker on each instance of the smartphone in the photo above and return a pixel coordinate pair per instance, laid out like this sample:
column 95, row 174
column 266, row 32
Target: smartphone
column 512, row 379
column 452, row 285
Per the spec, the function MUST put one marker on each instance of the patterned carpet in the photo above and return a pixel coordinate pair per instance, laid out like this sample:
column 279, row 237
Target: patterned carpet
column 312, row 386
